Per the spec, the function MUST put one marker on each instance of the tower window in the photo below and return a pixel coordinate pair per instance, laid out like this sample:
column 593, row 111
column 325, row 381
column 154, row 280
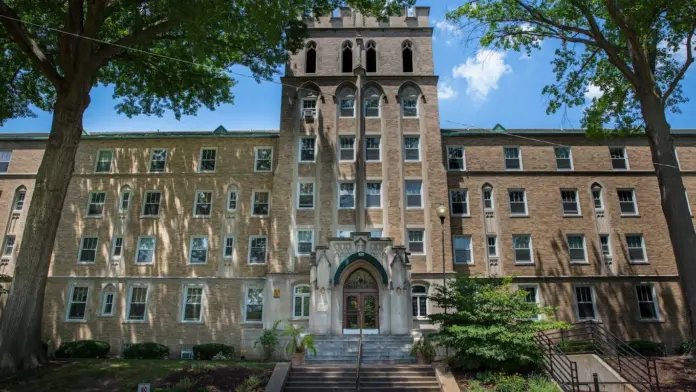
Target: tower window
column 347, row 65
column 311, row 53
column 407, row 56
column 371, row 57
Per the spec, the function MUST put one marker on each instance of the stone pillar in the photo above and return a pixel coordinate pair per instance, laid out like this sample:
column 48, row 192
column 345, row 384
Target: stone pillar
column 401, row 315
column 321, row 300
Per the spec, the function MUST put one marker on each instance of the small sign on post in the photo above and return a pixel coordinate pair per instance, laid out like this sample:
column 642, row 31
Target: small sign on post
column 144, row 387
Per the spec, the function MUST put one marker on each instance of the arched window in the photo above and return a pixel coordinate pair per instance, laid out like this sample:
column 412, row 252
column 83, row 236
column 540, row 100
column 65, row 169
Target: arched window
column 20, row 195
column 124, row 200
column 300, row 308
column 409, row 102
column 347, row 60
column 407, row 56
column 232, row 198
column 311, row 57
column 488, row 203
column 419, row 301
column 372, row 102
column 347, row 102
column 597, row 197
column 371, row 57
column 108, row 302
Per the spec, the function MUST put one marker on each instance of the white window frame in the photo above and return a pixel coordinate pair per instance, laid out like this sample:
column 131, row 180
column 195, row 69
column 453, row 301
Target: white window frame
column 253, row 203
column 96, row 250
column 246, row 300
column 531, row 250
column 195, row 203
column 316, row 106
column 408, row 240
column 89, row 204
column 299, row 194
column 447, row 156
column 297, row 241
column 340, row 147
column 419, row 296
column 379, row 105
column 655, row 302
column 519, row 158
column 229, row 199
column 340, row 106
column 184, row 299
column 348, row 230
column 159, row 204
column 610, row 254
column 577, row 202
column 200, row 160
column 576, row 303
column 524, row 195
column 483, row 196
column 103, row 303
column 625, row 157
column 594, row 199
column 5, row 254
column 381, row 194
column 224, row 247
column 256, row 159
column 403, row 111
column 120, row 201
column 585, row 259
column 570, row 158
column 296, row 295
column 70, row 301
column 19, row 200
column 418, row 149
column 420, row 195
column 5, row 153
column 154, row 249
column 207, row 249
column 466, row 202
column 633, row 199
column 378, row 137
column 113, row 248
column 642, row 245
column 537, row 297
column 265, row 253
column 338, row 198
column 152, row 155
column 495, row 245
column 97, row 161
column 471, row 249
column 299, row 149
column 130, row 299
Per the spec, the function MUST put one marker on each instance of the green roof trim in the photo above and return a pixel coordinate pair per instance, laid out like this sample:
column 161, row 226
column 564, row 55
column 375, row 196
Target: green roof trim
column 147, row 135
column 499, row 128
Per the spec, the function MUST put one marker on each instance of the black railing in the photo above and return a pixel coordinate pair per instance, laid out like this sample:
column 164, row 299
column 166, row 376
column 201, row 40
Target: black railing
column 557, row 365
column 358, row 360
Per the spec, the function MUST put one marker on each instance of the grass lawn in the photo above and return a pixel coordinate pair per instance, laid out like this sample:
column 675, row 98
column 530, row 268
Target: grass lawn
column 124, row 375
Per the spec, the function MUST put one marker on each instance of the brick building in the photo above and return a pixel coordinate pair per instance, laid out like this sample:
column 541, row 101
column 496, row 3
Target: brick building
column 331, row 222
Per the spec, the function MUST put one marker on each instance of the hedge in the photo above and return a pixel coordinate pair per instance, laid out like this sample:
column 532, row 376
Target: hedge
column 83, row 349
column 647, row 348
column 148, row 350
column 208, row 350
column 576, row 346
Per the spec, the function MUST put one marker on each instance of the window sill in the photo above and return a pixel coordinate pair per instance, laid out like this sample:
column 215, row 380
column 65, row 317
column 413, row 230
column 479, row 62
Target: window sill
column 194, row 264
column 415, row 208
column 456, row 170
column 420, row 318
column 373, row 208
column 417, row 254
column 206, row 172
column 306, row 162
column 191, row 322
column 134, row 322
column 255, row 324
column 519, row 215
column 94, row 217
column 579, row 263
column 460, row 263
column 651, row 321
column 202, row 216
column 524, row 263
column 259, row 216
column 641, row 262
column 75, row 321
column 630, row 215
column 572, row 215
column 252, row 264
column 263, row 171
column 105, row 315
column 347, row 161
column 412, row 160
column 303, row 254
column 376, row 161
column 144, row 264
column 149, row 216
column 300, row 318
column 305, row 208
column 346, row 208
column 86, row 263
column 513, row 170
column 461, row 215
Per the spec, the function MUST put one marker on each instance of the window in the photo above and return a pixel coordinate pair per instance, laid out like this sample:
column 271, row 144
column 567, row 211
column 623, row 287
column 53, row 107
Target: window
column 309, row 106
column 636, row 248
column 564, row 160
column 300, row 308
column 522, row 245
column 104, row 159
column 232, row 201
column 311, row 57
column 347, row 103
column 203, row 205
column 193, row 304
column 305, row 197
column 375, row 233
column 263, row 158
column 512, row 158
column 108, row 301
column 307, row 149
column 419, row 301
column 416, row 242
column 305, row 242
column 584, row 300
column 605, row 244
column 151, row 204
column 627, row 202
column 597, row 198
column 260, row 203
column 455, row 158
column 518, row 202
column 198, row 252
column 336, row 13
column 492, row 245
column 124, row 202
column 373, row 148
column 347, row 148
column 459, row 202
column 344, row 233
column 77, row 306
column 412, row 148
column 137, row 303
column 373, row 194
column 257, row 250
column 346, row 195
column 8, row 248
column 228, row 250
column 253, row 309
column 146, row 250
column 569, row 200
column 116, row 248
column 88, row 250
column 414, row 194
column 158, row 160
column 19, row 200
column 409, row 103
column 371, row 57
column 347, row 57
column 95, row 207
column 647, row 303
column 462, row 249
column 410, row 12
column 5, row 158
column 488, row 198
column 619, row 161
column 206, row 163
column 372, row 103
column 407, row 56
column 576, row 248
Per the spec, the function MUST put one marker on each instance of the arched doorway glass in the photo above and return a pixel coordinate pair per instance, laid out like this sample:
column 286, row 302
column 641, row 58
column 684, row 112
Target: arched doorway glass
column 360, row 303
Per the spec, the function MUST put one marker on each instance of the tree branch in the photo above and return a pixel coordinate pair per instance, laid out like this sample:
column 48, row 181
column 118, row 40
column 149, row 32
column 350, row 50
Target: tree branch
column 539, row 16
column 108, row 51
column 18, row 31
column 682, row 71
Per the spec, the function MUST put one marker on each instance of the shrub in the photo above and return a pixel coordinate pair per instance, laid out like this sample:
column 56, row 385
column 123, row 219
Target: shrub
column 209, row 350
column 647, row 348
column 268, row 340
column 685, row 348
column 83, row 349
column 148, row 350
column 511, row 383
column 576, row 346
column 539, row 383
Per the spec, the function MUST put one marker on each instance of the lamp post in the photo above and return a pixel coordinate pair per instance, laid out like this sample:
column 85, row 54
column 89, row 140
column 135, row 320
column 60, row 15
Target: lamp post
column 442, row 213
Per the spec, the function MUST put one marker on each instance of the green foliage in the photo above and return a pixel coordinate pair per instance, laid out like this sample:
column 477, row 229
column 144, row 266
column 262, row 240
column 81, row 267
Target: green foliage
column 511, row 383
column 299, row 341
column 686, row 348
column 250, row 384
column 647, row 348
column 539, row 383
column 209, row 350
column 268, row 340
column 493, row 326
column 501, row 382
column 576, row 346
column 424, row 347
column 82, row 349
column 147, row 350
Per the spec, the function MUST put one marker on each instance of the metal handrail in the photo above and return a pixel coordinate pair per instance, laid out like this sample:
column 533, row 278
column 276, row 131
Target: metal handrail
column 558, row 366
column 360, row 343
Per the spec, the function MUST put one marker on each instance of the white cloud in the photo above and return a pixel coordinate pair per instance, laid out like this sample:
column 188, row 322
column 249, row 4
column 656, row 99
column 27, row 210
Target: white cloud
column 593, row 91
column 482, row 72
column 445, row 91
column 447, row 27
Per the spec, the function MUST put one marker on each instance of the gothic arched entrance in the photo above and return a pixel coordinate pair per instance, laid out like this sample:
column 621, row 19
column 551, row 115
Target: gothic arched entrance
column 360, row 303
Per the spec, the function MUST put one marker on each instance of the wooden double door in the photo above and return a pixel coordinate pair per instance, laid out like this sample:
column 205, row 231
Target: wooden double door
column 361, row 303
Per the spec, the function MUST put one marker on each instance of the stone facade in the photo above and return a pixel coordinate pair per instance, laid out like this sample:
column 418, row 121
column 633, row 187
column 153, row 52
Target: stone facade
column 212, row 267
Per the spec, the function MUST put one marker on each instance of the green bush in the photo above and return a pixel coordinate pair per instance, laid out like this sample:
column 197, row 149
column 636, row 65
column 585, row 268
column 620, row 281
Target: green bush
column 209, row 350
column 576, row 346
column 148, row 350
column 83, row 349
column 539, row 383
column 647, row 348
column 511, row 383
column 685, row 348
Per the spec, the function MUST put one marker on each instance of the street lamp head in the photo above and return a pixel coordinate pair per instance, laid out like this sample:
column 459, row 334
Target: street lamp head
column 442, row 212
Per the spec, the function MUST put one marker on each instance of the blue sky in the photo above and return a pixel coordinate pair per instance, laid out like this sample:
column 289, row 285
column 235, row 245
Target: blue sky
column 477, row 89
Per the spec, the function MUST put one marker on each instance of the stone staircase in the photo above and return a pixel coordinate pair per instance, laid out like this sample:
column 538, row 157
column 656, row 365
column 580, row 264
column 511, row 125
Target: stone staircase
column 373, row 378
column 377, row 349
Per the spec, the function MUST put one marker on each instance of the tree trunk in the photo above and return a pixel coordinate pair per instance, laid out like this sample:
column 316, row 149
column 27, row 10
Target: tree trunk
column 673, row 198
column 20, row 340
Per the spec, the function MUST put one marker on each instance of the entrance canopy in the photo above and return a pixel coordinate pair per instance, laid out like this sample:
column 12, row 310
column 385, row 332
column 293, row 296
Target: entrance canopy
column 361, row 256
